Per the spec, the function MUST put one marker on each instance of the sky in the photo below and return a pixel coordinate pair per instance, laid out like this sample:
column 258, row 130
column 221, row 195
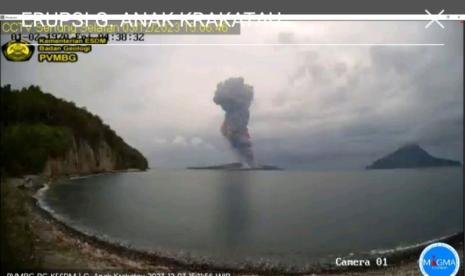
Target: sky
column 315, row 106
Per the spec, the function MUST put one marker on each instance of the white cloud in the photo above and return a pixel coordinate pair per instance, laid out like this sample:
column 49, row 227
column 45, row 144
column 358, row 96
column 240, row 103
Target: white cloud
column 179, row 140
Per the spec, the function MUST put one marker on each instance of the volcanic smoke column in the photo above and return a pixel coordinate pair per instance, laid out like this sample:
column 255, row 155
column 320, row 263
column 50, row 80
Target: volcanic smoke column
column 235, row 98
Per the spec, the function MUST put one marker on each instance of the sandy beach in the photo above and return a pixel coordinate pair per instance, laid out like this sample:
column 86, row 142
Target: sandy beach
column 36, row 240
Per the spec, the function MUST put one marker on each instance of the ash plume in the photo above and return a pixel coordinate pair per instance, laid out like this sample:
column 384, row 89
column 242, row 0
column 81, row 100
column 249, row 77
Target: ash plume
column 235, row 97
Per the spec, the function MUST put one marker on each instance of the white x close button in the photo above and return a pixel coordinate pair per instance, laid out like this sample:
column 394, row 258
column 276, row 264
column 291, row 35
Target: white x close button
column 434, row 19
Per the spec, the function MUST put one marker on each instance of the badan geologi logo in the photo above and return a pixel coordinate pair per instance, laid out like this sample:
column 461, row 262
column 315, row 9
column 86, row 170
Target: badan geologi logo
column 18, row 50
column 439, row 259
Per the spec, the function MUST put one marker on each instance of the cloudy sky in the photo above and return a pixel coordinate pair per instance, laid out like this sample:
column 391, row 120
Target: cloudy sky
column 315, row 107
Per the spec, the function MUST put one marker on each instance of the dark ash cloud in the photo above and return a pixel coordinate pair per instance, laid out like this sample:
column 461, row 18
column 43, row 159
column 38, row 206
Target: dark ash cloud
column 235, row 97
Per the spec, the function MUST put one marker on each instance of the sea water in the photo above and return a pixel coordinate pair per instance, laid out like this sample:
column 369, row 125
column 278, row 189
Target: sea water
column 291, row 218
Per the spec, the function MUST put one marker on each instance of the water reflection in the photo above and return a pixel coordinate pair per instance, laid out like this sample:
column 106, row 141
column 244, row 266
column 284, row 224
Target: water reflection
column 234, row 214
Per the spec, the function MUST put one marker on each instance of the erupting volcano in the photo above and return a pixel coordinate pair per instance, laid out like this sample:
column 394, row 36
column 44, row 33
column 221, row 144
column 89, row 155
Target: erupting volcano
column 235, row 97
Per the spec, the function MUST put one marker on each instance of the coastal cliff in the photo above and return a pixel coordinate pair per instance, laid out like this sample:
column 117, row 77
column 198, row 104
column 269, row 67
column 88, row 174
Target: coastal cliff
column 81, row 158
column 46, row 137
column 42, row 134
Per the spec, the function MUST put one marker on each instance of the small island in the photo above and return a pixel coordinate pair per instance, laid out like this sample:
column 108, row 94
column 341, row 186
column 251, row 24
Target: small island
column 237, row 167
column 411, row 156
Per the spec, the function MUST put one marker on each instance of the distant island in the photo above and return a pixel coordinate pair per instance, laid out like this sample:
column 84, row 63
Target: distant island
column 237, row 167
column 411, row 156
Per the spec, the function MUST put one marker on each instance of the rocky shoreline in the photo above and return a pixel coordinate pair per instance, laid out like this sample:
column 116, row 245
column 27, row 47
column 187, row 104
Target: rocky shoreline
column 57, row 245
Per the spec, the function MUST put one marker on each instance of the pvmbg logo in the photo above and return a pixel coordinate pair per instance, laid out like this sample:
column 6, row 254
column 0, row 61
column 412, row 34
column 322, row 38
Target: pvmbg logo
column 18, row 50
column 439, row 259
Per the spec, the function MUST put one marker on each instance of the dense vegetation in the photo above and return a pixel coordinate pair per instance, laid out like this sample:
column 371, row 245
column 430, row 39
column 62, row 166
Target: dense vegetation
column 36, row 125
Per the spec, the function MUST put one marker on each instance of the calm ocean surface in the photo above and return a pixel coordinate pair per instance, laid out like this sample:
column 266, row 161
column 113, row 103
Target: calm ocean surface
column 287, row 217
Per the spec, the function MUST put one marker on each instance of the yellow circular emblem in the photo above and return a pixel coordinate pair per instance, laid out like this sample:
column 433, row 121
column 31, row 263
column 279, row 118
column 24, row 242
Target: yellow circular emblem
column 17, row 50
